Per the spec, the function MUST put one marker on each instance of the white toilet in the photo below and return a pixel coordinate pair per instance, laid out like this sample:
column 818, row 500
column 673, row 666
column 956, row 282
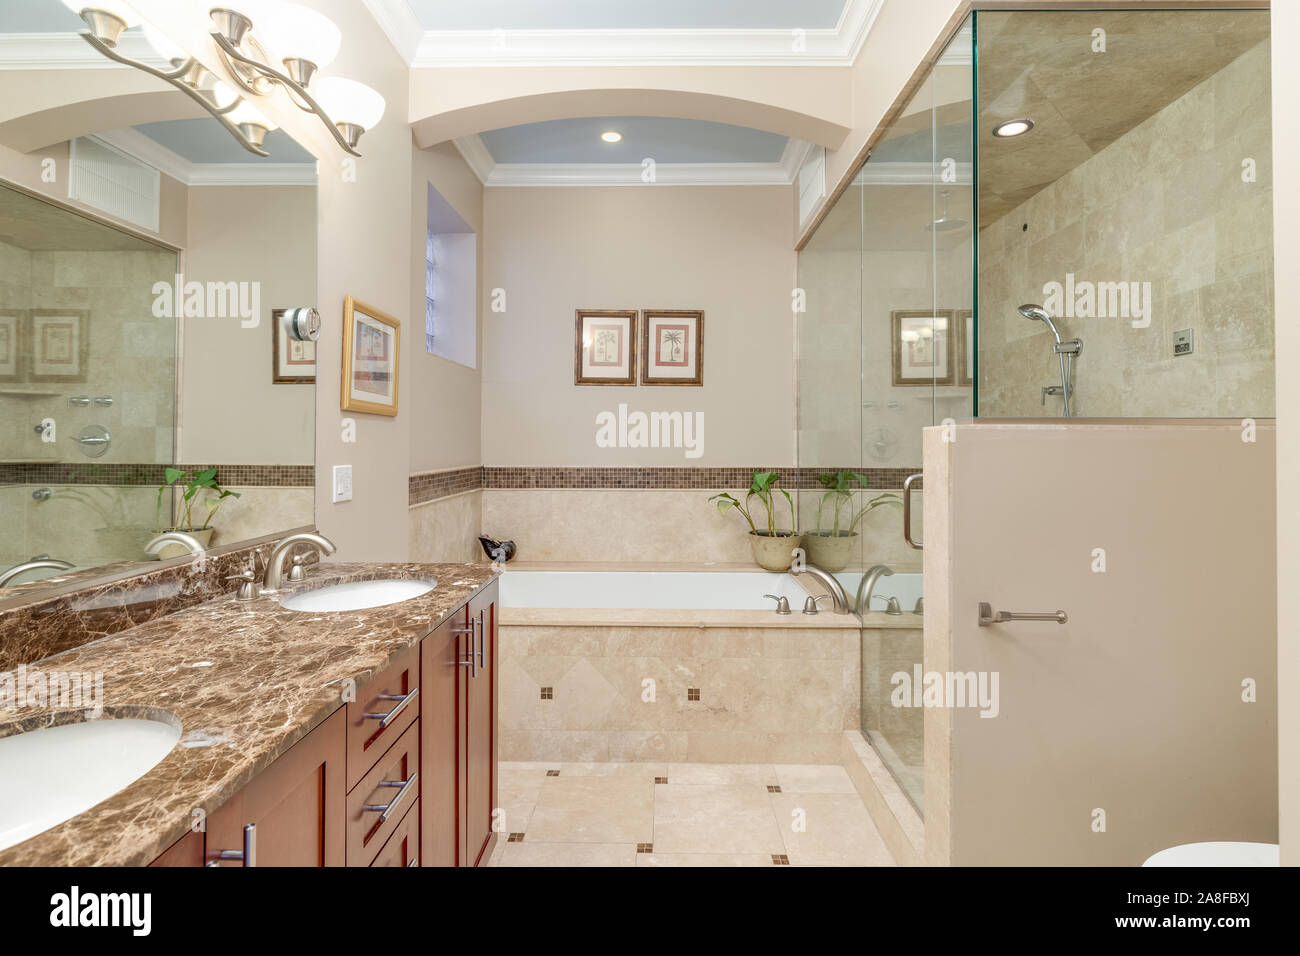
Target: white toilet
column 1216, row 854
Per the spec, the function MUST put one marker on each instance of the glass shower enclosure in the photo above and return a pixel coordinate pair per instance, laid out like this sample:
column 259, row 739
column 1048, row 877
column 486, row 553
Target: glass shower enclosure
column 885, row 347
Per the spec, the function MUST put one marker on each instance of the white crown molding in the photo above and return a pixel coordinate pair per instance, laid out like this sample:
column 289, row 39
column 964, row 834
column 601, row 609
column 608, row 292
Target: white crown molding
column 834, row 46
column 400, row 25
column 67, row 51
column 492, row 173
column 910, row 174
column 476, row 155
column 629, row 174
column 152, row 153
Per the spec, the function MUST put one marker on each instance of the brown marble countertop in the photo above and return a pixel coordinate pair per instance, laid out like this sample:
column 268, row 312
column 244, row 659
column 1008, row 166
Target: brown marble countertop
column 245, row 680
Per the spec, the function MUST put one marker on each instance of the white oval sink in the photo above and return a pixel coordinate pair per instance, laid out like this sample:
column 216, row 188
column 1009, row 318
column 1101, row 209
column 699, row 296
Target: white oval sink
column 357, row 595
column 52, row 774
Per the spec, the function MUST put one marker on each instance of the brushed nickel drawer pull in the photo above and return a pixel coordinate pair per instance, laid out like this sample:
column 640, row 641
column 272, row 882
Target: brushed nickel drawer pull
column 414, row 862
column 386, row 719
column 384, row 809
column 482, row 639
column 248, row 854
column 989, row 616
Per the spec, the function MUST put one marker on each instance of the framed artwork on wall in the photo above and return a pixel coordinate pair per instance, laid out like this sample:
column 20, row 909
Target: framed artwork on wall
column 604, row 347
column 293, row 362
column 922, row 347
column 966, row 353
column 60, row 344
column 11, row 324
column 672, row 347
column 371, row 355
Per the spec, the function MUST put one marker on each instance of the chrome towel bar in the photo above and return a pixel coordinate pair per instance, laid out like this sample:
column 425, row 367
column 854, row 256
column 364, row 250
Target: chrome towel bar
column 989, row 616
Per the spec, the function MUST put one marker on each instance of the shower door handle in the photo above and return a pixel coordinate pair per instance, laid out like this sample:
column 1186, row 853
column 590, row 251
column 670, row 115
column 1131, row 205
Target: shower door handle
column 907, row 510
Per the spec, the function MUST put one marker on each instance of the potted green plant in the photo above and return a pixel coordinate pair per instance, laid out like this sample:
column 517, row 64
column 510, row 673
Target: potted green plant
column 194, row 484
column 830, row 546
column 772, row 546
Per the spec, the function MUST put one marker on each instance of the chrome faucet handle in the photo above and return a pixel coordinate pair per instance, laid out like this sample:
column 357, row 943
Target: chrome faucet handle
column 249, row 587
column 810, row 604
column 782, row 603
column 891, row 603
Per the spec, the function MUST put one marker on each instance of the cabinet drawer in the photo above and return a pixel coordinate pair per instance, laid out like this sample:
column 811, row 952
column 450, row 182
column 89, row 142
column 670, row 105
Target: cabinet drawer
column 383, row 709
column 393, row 783
column 403, row 847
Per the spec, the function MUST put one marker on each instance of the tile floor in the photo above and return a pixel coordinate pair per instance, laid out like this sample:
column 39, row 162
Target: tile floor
column 683, row 814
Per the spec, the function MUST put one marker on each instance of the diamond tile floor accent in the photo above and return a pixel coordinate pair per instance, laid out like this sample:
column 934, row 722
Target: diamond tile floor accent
column 620, row 814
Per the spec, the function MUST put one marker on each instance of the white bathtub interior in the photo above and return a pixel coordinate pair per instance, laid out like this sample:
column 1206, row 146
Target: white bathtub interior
column 696, row 590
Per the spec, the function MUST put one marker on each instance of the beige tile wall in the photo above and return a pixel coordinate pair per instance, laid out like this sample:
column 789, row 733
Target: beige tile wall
column 767, row 695
column 1165, row 203
column 447, row 529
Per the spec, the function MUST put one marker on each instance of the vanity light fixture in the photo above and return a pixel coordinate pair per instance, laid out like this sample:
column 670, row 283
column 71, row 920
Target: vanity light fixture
column 612, row 136
column 1015, row 127
column 301, row 40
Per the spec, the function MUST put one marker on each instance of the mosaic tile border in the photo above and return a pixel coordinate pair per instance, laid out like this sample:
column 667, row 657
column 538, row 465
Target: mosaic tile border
column 430, row 486
column 135, row 473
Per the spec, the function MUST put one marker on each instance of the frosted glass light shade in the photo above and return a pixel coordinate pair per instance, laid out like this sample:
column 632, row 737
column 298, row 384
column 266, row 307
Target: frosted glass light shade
column 118, row 8
column 164, row 47
column 295, row 31
column 246, row 113
column 347, row 101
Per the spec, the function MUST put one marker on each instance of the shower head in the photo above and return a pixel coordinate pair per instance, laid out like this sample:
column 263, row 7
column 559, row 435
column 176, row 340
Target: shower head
column 1039, row 314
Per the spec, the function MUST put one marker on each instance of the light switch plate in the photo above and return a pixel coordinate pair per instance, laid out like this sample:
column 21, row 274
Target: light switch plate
column 342, row 483
column 1182, row 342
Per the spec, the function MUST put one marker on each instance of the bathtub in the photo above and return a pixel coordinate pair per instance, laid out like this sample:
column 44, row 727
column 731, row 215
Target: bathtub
column 675, row 590
column 904, row 585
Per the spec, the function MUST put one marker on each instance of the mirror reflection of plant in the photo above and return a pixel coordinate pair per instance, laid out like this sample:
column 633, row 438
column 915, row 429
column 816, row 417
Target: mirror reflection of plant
column 838, row 501
column 763, row 486
column 194, row 483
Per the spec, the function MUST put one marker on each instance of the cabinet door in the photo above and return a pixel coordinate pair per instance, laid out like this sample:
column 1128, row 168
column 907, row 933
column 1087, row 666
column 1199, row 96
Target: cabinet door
column 481, row 731
column 296, row 806
column 443, row 656
column 187, row 851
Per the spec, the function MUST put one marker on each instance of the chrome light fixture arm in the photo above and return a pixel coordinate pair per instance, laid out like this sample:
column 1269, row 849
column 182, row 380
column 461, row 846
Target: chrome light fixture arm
column 298, row 93
column 176, row 78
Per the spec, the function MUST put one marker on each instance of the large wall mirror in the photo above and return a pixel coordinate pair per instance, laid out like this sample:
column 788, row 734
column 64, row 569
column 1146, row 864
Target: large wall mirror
column 146, row 258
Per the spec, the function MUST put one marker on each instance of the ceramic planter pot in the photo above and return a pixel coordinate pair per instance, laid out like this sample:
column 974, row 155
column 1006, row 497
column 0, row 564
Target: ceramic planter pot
column 830, row 551
column 202, row 535
column 772, row 548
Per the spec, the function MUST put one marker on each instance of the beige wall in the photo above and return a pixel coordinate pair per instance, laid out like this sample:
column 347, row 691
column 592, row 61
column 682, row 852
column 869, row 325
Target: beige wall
column 1135, row 705
column 445, row 396
column 1163, row 204
column 1286, row 209
column 554, row 250
column 231, row 412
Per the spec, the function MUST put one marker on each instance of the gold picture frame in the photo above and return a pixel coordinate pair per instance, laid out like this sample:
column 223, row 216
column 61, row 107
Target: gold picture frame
column 604, row 347
column 917, row 362
column 291, row 359
column 372, row 343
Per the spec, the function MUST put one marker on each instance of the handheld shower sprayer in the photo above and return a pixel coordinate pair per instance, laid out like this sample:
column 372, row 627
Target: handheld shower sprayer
column 1065, row 350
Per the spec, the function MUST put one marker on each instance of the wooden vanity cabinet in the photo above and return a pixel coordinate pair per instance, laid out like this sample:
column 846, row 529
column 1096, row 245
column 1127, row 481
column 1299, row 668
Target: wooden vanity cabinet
column 296, row 806
column 458, row 736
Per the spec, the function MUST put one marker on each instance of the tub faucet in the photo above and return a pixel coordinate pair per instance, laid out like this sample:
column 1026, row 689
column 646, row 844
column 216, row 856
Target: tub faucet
column 838, row 597
column 275, row 563
column 862, row 602
column 191, row 544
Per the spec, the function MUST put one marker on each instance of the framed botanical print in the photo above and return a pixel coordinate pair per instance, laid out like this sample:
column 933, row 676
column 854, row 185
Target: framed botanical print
column 965, row 319
column 371, row 344
column 604, row 347
column 11, row 324
column 59, row 344
column 672, row 347
column 922, row 347
column 293, row 362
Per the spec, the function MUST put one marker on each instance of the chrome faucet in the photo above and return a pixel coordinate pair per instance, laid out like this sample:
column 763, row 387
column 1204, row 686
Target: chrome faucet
column 191, row 543
column 32, row 565
column 275, row 563
column 862, row 602
column 838, row 597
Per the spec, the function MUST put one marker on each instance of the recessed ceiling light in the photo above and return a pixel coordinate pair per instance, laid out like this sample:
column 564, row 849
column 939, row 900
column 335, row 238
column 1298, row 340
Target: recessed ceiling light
column 611, row 136
column 1013, row 128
